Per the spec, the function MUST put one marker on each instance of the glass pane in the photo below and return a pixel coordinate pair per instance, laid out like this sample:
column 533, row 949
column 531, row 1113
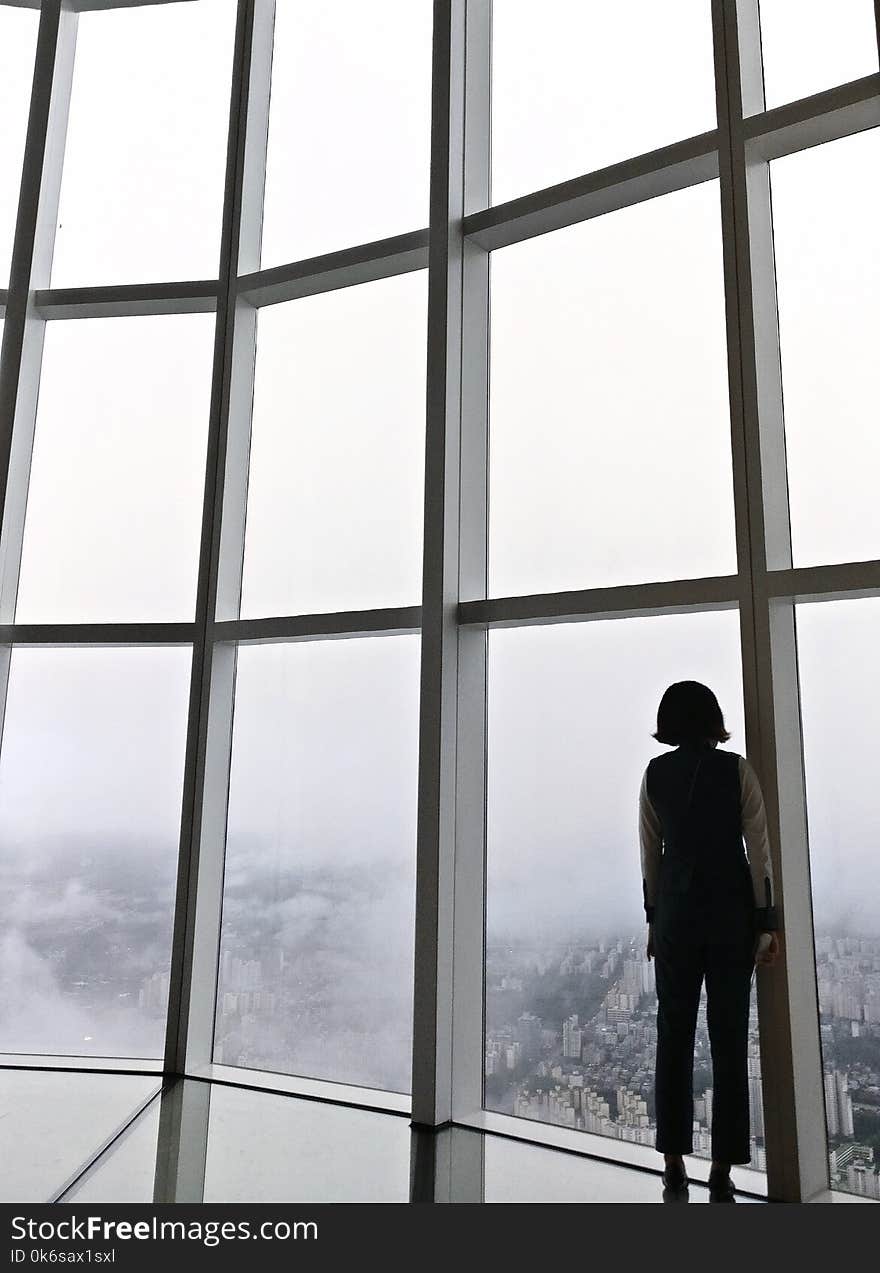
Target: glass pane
column 318, row 913
column 825, row 203
column 51, row 1124
column 815, row 44
column 266, row 1148
column 335, row 496
column 610, row 435
column 18, row 42
column 117, row 479
column 349, row 125
column 142, row 193
column 577, row 86
column 91, row 781
column 840, row 704
column 570, row 1004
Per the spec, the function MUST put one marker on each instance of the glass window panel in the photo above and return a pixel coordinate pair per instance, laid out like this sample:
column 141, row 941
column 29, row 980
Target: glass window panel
column 335, row 494
column 318, row 912
column 570, row 1003
column 117, row 479
column 840, row 706
column 349, row 125
column 266, row 1148
column 610, row 435
column 811, row 45
column 142, row 192
column 18, row 42
column 51, row 1124
column 825, row 203
column 577, row 86
column 91, row 780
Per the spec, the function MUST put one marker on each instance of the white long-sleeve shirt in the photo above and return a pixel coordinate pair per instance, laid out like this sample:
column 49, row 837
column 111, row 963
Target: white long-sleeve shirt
column 755, row 834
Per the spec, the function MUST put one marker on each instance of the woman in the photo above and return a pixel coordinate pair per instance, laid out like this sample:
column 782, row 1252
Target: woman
column 711, row 915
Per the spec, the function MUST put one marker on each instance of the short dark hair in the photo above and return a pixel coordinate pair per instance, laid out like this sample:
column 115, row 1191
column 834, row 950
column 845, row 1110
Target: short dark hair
column 689, row 713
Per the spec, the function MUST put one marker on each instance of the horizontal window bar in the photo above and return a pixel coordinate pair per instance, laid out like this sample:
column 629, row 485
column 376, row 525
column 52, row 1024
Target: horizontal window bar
column 106, row 634
column 842, row 581
column 623, row 602
column 675, row 167
column 309, row 1089
column 130, row 299
column 307, row 627
column 89, row 6
column 364, row 263
column 79, row 1064
column 828, row 116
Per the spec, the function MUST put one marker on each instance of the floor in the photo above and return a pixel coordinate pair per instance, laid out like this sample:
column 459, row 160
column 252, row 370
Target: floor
column 115, row 1138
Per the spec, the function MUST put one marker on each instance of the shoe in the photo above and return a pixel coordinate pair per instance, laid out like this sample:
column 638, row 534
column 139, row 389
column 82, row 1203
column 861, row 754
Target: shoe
column 675, row 1179
column 721, row 1187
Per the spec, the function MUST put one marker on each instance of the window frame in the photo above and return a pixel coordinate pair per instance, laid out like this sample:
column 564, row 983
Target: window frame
column 456, row 613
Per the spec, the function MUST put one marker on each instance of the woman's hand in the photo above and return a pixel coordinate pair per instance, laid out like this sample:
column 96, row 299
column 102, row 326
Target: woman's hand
column 770, row 952
column 650, row 950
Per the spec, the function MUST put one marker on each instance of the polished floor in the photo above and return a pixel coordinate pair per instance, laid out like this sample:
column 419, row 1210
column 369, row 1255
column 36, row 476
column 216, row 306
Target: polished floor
column 112, row 1138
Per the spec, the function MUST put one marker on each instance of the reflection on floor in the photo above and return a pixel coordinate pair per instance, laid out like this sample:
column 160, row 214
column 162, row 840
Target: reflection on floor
column 111, row 1138
column 52, row 1122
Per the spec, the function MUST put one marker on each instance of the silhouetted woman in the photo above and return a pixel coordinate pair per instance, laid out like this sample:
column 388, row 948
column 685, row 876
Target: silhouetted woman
column 708, row 908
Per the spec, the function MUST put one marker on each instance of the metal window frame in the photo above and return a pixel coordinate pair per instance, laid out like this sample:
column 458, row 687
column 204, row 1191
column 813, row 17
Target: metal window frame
column 456, row 611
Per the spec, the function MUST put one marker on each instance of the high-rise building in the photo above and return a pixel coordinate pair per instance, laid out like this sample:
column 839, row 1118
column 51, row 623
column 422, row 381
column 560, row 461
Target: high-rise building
column 572, row 1036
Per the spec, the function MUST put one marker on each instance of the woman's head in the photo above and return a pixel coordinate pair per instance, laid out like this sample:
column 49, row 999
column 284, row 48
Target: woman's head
column 689, row 713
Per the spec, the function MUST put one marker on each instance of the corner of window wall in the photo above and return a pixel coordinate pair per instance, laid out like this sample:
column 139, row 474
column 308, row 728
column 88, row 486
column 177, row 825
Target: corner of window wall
column 778, row 263
column 822, row 175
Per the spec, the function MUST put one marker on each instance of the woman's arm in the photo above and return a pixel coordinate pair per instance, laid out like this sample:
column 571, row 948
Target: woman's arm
column 651, row 843
column 755, row 834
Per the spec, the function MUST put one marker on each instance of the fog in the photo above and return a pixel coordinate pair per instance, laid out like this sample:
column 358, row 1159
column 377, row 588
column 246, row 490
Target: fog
column 609, row 463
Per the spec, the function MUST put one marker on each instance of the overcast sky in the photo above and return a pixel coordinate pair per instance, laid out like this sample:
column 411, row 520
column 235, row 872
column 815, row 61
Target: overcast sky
column 610, row 452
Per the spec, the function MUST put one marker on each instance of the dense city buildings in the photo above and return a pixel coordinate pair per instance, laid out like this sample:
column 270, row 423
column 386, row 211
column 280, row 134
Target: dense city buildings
column 571, row 1039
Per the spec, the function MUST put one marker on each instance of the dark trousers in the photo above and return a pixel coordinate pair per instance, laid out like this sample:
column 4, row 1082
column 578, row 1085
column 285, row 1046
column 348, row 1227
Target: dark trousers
column 681, row 963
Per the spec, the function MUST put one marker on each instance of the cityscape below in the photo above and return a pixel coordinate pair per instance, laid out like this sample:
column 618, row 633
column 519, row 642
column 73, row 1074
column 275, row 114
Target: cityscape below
column 571, row 1039
column 327, row 993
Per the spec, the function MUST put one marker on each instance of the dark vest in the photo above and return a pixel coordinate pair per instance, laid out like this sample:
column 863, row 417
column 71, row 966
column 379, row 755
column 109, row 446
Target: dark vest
column 704, row 884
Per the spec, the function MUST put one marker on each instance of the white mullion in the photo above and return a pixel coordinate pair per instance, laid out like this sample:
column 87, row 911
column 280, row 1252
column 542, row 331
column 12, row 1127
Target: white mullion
column 469, row 887
column 182, row 1143
column 189, row 1039
column 435, row 850
column 447, row 1166
column 788, row 1018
